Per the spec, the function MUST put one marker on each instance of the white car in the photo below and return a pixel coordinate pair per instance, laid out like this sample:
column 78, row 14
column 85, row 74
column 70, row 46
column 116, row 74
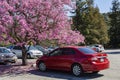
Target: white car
column 97, row 47
column 31, row 53
column 41, row 49
column 49, row 49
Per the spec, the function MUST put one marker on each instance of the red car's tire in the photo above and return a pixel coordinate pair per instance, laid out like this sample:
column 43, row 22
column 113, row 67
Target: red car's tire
column 77, row 70
column 42, row 66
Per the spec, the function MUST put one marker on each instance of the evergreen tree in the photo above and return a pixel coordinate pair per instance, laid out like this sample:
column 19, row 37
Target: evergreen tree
column 114, row 30
column 107, row 18
column 90, row 23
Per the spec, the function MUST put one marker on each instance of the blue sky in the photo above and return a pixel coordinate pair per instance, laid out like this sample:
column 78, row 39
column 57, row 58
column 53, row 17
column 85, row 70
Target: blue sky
column 104, row 5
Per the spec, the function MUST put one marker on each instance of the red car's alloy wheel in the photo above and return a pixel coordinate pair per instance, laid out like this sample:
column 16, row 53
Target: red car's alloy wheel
column 42, row 66
column 77, row 70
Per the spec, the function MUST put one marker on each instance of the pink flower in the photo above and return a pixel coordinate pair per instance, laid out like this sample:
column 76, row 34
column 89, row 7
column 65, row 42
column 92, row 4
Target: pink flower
column 29, row 21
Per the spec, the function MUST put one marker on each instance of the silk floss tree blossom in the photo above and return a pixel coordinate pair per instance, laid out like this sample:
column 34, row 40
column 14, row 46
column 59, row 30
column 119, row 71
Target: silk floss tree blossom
column 23, row 22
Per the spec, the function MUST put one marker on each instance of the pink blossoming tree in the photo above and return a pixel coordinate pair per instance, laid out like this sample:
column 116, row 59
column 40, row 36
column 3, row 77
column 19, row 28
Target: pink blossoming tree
column 23, row 22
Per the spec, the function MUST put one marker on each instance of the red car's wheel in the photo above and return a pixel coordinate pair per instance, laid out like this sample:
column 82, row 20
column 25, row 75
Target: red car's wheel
column 42, row 66
column 77, row 70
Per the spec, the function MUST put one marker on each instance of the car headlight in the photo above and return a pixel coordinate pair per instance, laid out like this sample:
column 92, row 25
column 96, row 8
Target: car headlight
column 14, row 57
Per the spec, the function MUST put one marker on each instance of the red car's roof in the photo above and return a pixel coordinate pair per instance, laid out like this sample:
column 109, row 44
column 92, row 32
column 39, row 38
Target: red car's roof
column 73, row 46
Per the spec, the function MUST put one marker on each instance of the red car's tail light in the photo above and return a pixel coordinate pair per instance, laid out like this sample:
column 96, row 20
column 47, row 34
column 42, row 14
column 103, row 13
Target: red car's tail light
column 91, row 59
column 94, row 58
column 98, row 59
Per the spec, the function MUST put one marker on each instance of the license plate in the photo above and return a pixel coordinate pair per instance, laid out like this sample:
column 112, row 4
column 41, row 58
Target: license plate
column 101, row 60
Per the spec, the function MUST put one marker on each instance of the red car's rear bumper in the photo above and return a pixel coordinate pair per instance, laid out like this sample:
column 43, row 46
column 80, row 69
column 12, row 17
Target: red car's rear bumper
column 96, row 66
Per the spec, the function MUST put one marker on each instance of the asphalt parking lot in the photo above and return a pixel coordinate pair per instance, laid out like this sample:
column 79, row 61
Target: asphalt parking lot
column 113, row 73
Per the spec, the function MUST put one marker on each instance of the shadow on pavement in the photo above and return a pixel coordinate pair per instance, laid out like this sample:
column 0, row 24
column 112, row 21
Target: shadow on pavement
column 64, row 75
column 14, row 69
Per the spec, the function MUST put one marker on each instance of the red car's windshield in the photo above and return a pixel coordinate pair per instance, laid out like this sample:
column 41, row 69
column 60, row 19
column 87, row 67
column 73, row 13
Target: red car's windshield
column 86, row 50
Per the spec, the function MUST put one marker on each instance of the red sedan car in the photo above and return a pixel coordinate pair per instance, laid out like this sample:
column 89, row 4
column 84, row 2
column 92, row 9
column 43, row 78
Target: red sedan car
column 75, row 59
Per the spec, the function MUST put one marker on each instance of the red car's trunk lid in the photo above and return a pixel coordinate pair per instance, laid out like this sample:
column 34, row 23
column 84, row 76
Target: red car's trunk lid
column 100, row 54
column 99, row 57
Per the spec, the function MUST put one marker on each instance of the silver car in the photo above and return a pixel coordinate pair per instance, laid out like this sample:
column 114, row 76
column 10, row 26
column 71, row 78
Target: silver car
column 6, row 56
column 97, row 47
column 32, row 52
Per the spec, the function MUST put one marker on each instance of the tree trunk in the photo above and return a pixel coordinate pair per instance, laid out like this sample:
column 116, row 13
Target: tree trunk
column 24, row 55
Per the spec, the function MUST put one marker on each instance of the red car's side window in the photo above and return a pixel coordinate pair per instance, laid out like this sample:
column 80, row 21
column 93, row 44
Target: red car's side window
column 63, row 51
column 68, row 51
column 56, row 52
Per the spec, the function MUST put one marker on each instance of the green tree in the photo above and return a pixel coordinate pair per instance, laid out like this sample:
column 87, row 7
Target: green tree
column 107, row 18
column 90, row 23
column 114, row 31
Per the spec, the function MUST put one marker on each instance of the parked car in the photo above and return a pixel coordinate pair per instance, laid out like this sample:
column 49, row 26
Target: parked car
column 41, row 49
column 97, row 47
column 6, row 56
column 31, row 53
column 49, row 49
column 75, row 59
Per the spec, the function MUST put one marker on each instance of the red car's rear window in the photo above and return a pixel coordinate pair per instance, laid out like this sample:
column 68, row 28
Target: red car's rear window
column 86, row 50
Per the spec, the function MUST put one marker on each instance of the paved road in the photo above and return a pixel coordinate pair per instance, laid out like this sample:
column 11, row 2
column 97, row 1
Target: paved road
column 113, row 73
